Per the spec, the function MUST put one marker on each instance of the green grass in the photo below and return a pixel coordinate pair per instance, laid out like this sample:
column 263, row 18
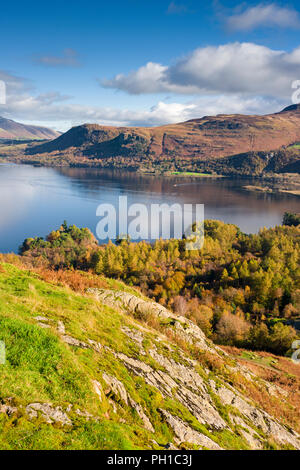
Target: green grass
column 262, row 360
column 295, row 146
column 41, row 368
column 189, row 173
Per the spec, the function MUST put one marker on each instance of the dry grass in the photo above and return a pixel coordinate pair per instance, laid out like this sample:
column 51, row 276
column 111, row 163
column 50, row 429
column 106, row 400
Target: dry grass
column 283, row 373
column 78, row 281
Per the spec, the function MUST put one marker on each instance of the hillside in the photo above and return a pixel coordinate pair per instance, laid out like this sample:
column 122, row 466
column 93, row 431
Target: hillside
column 14, row 130
column 108, row 369
column 200, row 141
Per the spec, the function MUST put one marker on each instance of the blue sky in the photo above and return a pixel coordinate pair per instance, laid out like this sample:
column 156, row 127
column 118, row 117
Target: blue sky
column 142, row 62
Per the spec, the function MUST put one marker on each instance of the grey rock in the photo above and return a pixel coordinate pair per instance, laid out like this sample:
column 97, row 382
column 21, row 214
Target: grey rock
column 96, row 346
column 74, row 342
column 61, row 327
column 116, row 387
column 49, row 413
column 88, row 416
column 200, row 405
column 97, row 388
column 136, row 336
column 185, row 433
column 139, row 409
column 8, row 410
column 42, row 319
column 248, row 433
column 183, row 327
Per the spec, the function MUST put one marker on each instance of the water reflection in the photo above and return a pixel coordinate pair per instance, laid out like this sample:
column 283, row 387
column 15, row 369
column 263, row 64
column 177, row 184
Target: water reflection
column 35, row 200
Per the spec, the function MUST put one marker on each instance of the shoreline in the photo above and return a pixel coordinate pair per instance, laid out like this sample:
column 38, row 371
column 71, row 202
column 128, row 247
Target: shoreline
column 270, row 190
column 286, row 179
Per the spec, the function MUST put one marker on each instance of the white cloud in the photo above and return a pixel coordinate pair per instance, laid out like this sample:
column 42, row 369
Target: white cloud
column 58, row 111
column 264, row 15
column 232, row 68
column 69, row 58
column 149, row 78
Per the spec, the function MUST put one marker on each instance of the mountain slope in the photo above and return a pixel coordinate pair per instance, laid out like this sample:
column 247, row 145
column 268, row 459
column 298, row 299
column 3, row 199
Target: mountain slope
column 202, row 139
column 112, row 370
column 14, row 130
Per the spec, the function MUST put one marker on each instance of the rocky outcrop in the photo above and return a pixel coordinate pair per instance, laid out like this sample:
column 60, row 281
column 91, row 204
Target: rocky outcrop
column 247, row 432
column 139, row 409
column 7, row 407
column 115, row 387
column 118, row 390
column 259, row 418
column 140, row 308
column 49, row 413
column 184, row 433
column 180, row 380
column 74, row 342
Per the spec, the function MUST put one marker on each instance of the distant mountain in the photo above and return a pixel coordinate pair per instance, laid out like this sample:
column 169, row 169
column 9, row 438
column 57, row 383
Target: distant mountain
column 14, row 130
column 206, row 138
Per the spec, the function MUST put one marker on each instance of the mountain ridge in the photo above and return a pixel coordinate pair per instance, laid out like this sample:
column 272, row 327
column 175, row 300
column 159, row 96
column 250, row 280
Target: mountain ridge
column 204, row 139
column 10, row 129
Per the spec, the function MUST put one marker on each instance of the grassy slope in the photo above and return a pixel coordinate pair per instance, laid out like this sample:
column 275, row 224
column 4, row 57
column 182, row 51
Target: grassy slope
column 41, row 368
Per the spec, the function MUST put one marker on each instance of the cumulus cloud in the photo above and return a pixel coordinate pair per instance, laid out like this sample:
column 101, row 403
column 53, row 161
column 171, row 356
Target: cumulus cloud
column 69, row 58
column 231, row 68
column 149, row 78
column 61, row 112
column 264, row 15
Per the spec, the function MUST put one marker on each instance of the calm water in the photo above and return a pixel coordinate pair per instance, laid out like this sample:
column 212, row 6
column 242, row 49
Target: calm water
column 34, row 201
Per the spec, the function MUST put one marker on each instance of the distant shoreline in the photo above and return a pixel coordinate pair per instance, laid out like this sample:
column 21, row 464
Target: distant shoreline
column 272, row 190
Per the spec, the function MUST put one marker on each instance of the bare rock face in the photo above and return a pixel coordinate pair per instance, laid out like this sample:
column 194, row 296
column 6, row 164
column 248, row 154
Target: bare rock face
column 185, row 374
column 184, row 433
column 98, row 389
column 40, row 318
column 116, row 387
column 74, row 342
column 259, row 418
column 199, row 404
column 7, row 409
column 180, row 380
column 139, row 409
column 178, row 377
column 139, row 307
column 136, row 336
column 95, row 345
column 49, row 413
column 247, row 432
column 61, row 327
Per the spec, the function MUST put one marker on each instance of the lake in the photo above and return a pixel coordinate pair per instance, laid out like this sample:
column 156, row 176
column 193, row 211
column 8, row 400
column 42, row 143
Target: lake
column 36, row 200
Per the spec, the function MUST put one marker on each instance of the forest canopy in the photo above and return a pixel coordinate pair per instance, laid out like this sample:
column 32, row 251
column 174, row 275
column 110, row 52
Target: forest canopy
column 242, row 290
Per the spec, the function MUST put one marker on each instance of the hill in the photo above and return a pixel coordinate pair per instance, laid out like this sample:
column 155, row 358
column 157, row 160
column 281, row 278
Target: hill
column 203, row 142
column 14, row 130
column 108, row 369
column 94, row 363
